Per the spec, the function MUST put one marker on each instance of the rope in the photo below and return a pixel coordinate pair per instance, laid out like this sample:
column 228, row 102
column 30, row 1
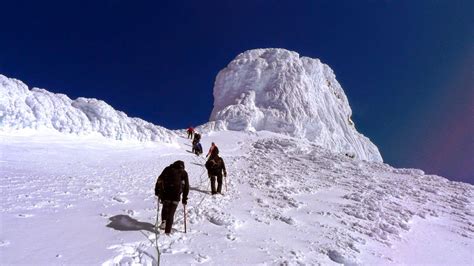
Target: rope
column 202, row 179
column 157, row 232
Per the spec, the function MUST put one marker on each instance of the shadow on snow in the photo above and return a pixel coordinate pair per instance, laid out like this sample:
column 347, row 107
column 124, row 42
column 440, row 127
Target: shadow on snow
column 199, row 190
column 126, row 223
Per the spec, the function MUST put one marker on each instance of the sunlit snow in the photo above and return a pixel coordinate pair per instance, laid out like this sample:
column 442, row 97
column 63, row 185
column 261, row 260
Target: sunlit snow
column 40, row 110
column 279, row 91
column 303, row 186
column 72, row 200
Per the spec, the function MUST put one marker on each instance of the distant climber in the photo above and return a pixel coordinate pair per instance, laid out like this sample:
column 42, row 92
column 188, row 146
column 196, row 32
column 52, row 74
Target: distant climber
column 190, row 131
column 197, row 149
column 197, row 138
column 215, row 167
column 170, row 184
column 213, row 151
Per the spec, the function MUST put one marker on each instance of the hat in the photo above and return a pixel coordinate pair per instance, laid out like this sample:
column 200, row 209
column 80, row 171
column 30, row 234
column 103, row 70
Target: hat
column 178, row 164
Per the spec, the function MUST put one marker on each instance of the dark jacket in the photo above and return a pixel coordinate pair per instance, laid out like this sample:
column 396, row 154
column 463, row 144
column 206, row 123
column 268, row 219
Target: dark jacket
column 215, row 166
column 172, row 182
column 197, row 138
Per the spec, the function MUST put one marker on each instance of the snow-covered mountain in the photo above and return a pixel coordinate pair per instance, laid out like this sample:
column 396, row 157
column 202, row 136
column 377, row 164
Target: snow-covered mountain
column 292, row 196
column 279, row 91
column 264, row 89
column 39, row 109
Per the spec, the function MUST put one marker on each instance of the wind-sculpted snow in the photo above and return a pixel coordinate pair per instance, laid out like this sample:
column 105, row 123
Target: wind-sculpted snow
column 279, row 91
column 22, row 108
column 286, row 201
column 364, row 201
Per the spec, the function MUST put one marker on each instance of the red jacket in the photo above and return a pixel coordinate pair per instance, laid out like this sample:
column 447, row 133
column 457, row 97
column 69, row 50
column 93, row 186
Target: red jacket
column 213, row 150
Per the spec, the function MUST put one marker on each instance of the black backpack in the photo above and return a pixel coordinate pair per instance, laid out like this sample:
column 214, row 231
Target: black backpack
column 212, row 165
column 197, row 136
column 169, row 185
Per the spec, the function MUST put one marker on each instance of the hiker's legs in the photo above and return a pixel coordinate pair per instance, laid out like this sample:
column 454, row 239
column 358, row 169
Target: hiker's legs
column 213, row 184
column 165, row 210
column 219, row 183
column 171, row 209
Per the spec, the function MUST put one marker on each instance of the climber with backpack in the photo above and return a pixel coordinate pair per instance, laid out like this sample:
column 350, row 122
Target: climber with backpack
column 197, row 149
column 170, row 184
column 197, row 138
column 215, row 168
column 213, row 151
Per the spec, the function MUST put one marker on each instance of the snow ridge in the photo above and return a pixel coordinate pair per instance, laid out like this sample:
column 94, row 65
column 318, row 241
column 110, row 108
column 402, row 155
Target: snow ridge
column 279, row 91
column 22, row 108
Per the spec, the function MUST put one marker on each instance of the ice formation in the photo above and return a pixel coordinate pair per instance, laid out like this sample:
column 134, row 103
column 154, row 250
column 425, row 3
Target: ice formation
column 279, row 91
column 22, row 108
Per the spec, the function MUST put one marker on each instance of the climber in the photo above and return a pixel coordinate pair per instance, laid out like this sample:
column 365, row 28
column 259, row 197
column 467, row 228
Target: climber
column 190, row 131
column 215, row 167
column 197, row 138
column 170, row 184
column 213, row 151
column 197, row 149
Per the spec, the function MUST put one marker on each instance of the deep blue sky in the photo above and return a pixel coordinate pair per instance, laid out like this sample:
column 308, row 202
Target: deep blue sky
column 406, row 66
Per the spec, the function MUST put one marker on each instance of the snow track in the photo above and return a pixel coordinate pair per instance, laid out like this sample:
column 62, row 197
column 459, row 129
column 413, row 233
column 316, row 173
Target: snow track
column 287, row 201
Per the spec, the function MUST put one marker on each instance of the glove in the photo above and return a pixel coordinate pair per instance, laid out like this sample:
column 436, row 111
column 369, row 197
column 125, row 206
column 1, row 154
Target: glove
column 184, row 201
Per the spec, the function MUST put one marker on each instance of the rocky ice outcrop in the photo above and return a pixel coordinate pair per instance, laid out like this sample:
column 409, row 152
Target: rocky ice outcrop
column 22, row 108
column 279, row 91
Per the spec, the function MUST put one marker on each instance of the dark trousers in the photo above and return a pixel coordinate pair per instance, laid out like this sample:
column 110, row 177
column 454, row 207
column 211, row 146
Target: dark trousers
column 167, row 213
column 190, row 135
column 219, row 184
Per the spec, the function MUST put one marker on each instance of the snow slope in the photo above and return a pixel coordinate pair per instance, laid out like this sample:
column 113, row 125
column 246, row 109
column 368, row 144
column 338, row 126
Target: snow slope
column 288, row 201
column 279, row 91
column 72, row 193
column 40, row 110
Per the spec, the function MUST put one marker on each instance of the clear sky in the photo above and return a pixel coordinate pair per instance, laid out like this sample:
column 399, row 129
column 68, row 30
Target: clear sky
column 406, row 66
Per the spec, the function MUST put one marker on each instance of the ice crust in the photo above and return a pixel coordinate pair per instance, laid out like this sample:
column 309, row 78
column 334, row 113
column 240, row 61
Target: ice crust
column 279, row 91
column 23, row 108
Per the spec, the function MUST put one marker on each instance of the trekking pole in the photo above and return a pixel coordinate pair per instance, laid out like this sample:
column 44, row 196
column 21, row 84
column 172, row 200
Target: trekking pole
column 184, row 205
column 157, row 211
column 157, row 232
column 225, row 181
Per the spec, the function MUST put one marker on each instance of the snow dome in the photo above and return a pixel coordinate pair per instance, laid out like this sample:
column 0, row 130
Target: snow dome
column 279, row 91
